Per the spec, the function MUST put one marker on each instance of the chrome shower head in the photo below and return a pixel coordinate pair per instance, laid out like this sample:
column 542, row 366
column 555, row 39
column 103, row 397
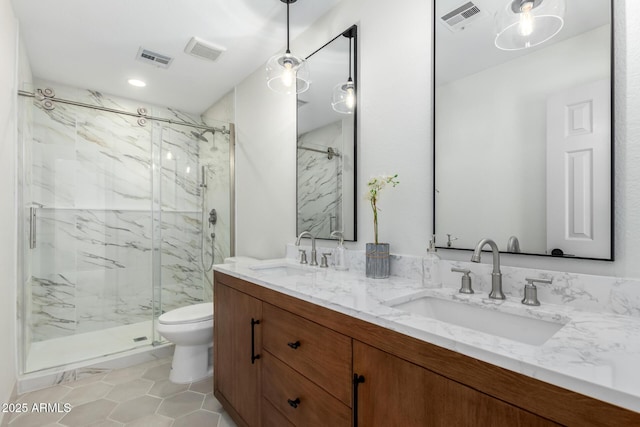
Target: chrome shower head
column 200, row 136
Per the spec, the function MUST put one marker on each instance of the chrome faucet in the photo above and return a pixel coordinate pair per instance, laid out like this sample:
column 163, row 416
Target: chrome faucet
column 314, row 259
column 496, row 275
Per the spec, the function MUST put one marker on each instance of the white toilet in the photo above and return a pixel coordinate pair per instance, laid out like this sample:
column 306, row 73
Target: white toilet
column 190, row 328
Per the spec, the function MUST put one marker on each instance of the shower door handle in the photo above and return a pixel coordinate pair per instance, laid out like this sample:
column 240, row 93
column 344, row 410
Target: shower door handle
column 32, row 227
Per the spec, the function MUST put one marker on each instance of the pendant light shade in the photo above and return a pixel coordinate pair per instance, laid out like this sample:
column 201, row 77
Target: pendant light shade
column 344, row 97
column 344, row 94
column 521, row 24
column 287, row 73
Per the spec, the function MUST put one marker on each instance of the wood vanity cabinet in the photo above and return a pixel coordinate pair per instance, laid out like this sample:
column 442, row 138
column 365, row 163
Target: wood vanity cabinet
column 309, row 356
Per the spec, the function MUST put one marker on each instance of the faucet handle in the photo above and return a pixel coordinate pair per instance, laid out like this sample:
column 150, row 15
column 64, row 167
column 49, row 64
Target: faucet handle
column 533, row 281
column 324, row 261
column 303, row 256
column 531, row 291
column 465, row 284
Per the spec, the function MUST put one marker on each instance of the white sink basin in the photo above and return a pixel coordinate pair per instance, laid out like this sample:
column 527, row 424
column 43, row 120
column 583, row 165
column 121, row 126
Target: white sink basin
column 523, row 329
column 281, row 269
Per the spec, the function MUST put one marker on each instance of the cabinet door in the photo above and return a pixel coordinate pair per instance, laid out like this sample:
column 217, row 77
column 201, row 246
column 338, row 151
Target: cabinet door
column 236, row 339
column 398, row 393
column 393, row 392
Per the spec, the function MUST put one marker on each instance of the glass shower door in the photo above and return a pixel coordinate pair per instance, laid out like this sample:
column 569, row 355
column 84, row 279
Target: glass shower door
column 86, row 290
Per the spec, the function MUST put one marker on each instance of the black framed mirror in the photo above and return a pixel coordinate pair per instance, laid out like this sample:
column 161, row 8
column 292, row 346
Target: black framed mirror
column 327, row 140
column 523, row 127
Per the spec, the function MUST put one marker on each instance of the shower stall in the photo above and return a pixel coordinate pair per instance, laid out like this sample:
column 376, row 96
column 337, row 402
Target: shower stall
column 124, row 210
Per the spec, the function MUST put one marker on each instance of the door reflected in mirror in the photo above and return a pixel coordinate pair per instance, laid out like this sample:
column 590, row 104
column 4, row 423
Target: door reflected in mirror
column 326, row 143
column 523, row 137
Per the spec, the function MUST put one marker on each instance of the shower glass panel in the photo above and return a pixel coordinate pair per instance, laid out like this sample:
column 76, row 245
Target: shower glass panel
column 195, row 179
column 112, row 223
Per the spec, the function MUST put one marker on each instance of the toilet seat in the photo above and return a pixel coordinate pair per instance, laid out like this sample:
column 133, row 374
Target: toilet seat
column 190, row 314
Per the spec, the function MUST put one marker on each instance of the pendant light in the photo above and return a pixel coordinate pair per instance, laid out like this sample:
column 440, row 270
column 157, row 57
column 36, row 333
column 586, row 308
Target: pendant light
column 344, row 94
column 522, row 24
column 287, row 73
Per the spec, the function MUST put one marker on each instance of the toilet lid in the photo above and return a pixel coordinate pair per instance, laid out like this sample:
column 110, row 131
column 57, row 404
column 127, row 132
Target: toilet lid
column 189, row 314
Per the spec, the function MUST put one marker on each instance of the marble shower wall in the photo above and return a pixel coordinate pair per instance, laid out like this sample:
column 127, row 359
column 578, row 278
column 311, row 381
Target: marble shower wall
column 181, row 275
column 214, row 156
column 93, row 183
column 320, row 181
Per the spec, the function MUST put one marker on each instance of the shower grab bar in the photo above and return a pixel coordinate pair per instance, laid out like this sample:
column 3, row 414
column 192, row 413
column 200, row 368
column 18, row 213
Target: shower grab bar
column 32, row 227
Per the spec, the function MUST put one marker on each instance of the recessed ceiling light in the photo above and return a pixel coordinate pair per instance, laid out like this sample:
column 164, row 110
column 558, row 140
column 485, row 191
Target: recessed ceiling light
column 137, row 83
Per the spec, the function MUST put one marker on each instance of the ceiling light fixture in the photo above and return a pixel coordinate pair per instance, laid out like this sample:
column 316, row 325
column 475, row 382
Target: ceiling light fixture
column 136, row 83
column 287, row 73
column 522, row 24
column 344, row 94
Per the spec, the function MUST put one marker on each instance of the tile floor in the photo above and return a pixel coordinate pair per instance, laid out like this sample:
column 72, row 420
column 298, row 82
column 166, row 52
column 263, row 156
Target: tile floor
column 139, row 396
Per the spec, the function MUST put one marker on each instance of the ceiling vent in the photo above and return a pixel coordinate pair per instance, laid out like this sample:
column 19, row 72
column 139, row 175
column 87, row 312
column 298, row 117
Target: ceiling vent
column 153, row 58
column 459, row 18
column 201, row 49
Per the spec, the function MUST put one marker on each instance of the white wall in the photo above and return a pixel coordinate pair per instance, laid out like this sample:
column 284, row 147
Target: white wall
column 627, row 127
column 394, row 128
column 222, row 110
column 8, row 249
column 265, row 169
column 500, row 141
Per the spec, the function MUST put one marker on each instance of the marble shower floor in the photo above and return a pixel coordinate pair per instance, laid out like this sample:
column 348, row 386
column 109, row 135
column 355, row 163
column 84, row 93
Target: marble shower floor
column 140, row 395
column 86, row 346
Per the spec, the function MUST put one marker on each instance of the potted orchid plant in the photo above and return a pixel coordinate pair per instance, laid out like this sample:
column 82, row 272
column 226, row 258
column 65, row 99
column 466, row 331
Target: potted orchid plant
column 377, row 254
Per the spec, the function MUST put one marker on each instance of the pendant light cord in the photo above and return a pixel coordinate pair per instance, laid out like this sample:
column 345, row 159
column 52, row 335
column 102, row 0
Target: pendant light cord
column 288, row 51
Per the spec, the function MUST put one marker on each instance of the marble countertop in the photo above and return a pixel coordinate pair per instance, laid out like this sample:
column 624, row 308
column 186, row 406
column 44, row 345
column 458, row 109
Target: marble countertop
column 596, row 354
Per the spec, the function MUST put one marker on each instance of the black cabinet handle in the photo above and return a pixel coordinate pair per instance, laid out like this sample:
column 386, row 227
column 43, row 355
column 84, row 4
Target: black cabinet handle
column 254, row 356
column 294, row 403
column 357, row 379
column 294, row 345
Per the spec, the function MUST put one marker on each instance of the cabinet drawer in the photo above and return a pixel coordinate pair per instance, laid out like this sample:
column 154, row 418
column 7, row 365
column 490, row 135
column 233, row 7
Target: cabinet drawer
column 282, row 386
column 271, row 417
column 318, row 353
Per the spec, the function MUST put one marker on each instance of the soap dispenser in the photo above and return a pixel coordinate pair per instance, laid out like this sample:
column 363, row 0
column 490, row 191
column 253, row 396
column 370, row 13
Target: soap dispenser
column 340, row 254
column 431, row 266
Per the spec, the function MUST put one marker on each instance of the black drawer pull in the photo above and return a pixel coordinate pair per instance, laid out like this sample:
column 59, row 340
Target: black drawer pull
column 254, row 356
column 294, row 345
column 294, row 403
